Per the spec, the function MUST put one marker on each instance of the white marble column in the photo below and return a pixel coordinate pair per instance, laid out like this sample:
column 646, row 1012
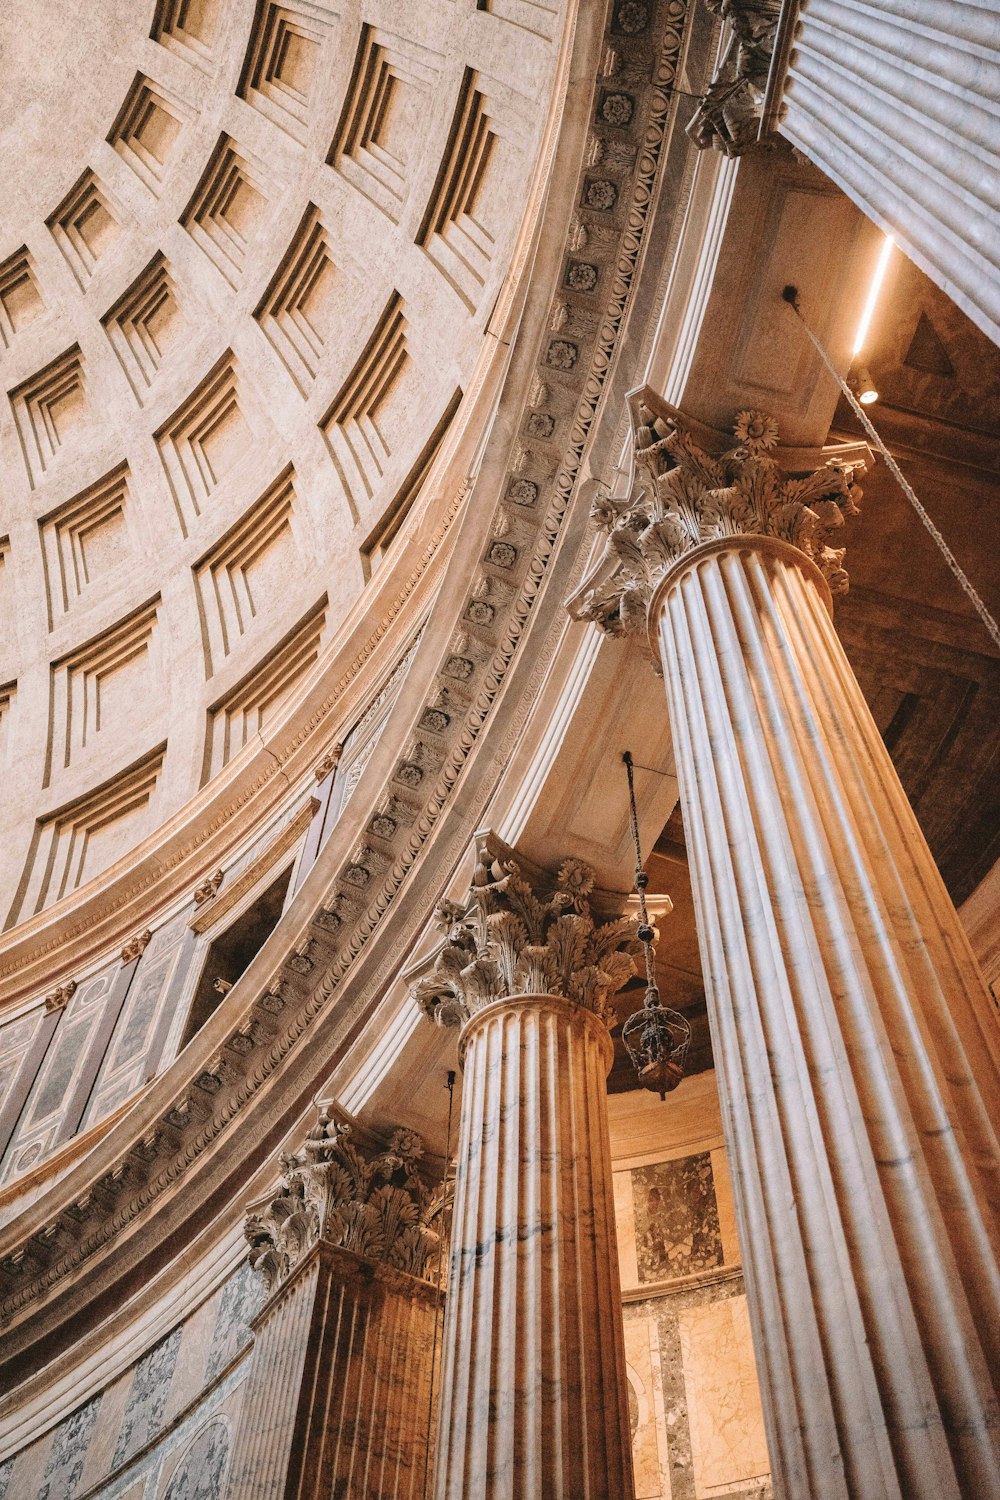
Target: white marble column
column 533, row 1390
column 854, row 1042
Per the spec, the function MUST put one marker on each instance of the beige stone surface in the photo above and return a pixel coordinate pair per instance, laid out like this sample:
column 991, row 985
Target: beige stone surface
column 204, row 405
column 728, row 1445
column 650, row 1450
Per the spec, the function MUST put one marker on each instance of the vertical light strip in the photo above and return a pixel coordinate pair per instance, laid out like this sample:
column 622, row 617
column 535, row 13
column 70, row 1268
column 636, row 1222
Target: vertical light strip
column 872, row 298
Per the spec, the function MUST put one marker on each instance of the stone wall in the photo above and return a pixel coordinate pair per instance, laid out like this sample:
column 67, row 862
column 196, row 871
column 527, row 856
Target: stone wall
column 163, row 1428
column 697, row 1425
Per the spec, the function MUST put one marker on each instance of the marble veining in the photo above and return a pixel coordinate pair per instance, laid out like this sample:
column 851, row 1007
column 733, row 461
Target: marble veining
column 700, row 1354
column 676, row 1218
column 241, row 1296
column 148, row 1397
column 69, row 1453
column 200, row 1473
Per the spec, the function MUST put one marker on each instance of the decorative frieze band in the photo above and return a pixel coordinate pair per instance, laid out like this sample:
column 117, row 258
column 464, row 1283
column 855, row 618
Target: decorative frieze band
column 521, row 937
column 682, row 496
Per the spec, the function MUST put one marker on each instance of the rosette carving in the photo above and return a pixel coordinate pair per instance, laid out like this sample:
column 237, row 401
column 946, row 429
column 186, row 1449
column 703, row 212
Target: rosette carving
column 682, row 496
column 379, row 1206
column 526, row 937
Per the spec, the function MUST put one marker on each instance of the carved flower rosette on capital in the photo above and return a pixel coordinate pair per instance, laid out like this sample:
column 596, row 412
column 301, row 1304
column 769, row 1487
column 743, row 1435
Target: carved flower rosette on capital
column 683, row 496
column 512, row 940
column 379, row 1208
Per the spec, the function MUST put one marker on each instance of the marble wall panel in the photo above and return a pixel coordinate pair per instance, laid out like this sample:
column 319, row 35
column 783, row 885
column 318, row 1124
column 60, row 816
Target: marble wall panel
column 650, row 1447
column 68, row 1453
column 241, row 1297
column 701, row 1432
column 15, row 1040
column 697, row 1427
column 145, row 1432
column 190, row 1461
column 132, row 1052
column 676, row 1218
column 201, row 1470
column 147, row 1399
column 728, row 1448
column 39, row 1128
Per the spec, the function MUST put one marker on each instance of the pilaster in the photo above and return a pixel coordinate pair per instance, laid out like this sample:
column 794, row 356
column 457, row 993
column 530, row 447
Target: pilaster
column 339, row 1393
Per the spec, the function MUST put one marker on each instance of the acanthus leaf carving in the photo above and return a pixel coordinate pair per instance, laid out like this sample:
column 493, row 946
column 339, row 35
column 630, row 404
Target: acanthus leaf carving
column 525, row 937
column 682, row 496
column 377, row 1206
column 136, row 946
column 208, row 889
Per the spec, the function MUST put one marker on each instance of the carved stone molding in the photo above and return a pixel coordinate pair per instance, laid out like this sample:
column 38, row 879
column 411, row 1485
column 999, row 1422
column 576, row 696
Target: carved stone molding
column 525, row 937
column 136, row 946
column 60, row 996
column 208, row 890
column 329, row 762
column 378, row 1207
column 682, row 496
column 728, row 118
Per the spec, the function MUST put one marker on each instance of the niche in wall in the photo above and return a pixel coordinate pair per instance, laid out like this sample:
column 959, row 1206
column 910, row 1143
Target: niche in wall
column 230, row 954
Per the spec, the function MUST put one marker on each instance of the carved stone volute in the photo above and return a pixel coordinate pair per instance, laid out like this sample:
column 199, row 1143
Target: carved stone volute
column 521, row 937
column 377, row 1206
column 682, row 496
column 729, row 114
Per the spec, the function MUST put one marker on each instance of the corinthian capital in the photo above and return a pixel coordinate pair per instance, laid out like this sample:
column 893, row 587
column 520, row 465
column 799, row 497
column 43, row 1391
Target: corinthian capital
column 378, row 1206
column 681, row 495
column 520, row 936
column 729, row 114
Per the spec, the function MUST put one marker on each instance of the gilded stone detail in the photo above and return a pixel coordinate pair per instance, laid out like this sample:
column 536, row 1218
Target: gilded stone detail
column 683, row 496
column 379, row 1207
column 60, row 996
column 136, row 946
column 516, row 938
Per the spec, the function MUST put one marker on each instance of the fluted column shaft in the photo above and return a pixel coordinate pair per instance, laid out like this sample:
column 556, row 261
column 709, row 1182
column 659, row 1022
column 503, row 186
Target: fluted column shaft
column 857, row 1053
column 338, row 1394
column 533, row 1397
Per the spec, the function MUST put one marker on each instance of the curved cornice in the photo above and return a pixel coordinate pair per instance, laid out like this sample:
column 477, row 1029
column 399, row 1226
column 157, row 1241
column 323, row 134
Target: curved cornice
column 517, row 545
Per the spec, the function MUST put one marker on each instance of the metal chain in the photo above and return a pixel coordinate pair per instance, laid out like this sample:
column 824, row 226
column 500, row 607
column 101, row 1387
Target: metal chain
column 645, row 933
column 792, row 298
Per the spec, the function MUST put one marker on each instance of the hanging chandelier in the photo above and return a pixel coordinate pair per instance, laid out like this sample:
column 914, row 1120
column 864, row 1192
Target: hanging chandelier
column 656, row 1038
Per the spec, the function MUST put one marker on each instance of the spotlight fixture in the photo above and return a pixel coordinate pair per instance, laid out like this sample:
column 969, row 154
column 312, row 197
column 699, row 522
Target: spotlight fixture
column 860, row 381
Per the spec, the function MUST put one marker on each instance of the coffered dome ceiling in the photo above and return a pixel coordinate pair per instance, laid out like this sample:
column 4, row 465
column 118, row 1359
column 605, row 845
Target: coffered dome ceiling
column 249, row 254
